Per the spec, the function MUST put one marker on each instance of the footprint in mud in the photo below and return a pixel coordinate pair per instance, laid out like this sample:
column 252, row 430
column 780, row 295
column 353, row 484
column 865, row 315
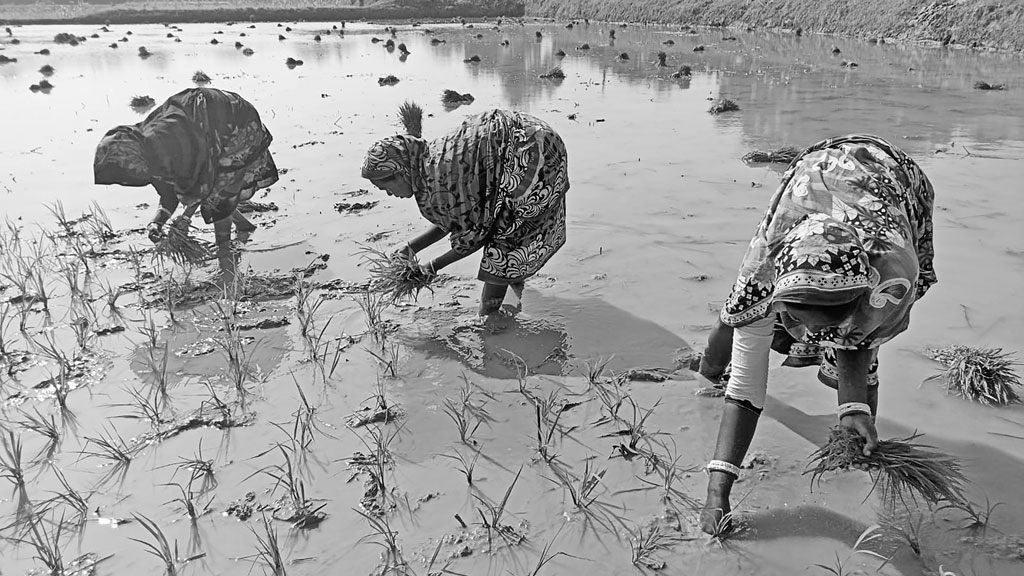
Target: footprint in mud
column 552, row 337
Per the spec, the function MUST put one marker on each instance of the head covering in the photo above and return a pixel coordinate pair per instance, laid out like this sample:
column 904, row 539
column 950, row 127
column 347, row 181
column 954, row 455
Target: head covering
column 400, row 155
column 821, row 261
column 120, row 158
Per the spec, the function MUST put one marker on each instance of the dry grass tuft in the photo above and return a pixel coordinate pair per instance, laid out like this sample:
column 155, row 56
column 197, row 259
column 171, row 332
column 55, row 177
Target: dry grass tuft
column 984, row 375
column 899, row 466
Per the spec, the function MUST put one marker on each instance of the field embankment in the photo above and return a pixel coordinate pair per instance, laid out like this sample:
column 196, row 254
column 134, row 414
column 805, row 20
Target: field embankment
column 973, row 23
column 155, row 11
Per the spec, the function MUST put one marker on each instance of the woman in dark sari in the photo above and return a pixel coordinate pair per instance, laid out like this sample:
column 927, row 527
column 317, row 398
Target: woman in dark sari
column 203, row 148
column 497, row 183
column 839, row 259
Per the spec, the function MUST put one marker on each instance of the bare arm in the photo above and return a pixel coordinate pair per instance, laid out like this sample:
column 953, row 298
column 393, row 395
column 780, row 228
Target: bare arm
column 853, row 368
column 428, row 238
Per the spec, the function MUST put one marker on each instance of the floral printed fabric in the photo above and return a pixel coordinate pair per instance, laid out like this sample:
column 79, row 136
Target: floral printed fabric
column 203, row 145
column 497, row 182
column 852, row 216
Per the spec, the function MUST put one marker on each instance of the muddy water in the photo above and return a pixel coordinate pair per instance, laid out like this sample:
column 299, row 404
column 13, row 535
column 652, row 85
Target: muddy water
column 661, row 208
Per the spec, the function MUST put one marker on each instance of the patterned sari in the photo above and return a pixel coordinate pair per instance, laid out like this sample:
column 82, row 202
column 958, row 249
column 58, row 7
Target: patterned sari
column 497, row 182
column 850, row 224
column 203, row 145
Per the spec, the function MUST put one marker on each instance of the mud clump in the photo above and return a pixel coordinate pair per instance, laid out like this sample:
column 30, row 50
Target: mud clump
column 291, row 63
column 698, row 48
column 143, row 52
column 451, row 99
column 248, row 52
column 249, row 207
column 142, row 102
column 555, row 73
column 200, row 78
column 474, row 59
column 242, row 508
column 389, row 80
column 683, row 72
column 47, row 70
column 44, row 86
column 354, row 207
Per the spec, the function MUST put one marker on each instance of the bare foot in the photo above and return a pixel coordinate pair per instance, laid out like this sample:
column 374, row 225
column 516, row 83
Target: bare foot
column 716, row 517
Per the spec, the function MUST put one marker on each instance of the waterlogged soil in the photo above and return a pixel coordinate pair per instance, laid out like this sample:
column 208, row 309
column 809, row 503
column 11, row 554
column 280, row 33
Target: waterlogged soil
column 260, row 383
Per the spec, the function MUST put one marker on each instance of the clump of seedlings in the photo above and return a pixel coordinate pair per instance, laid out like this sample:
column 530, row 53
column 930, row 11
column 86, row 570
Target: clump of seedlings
column 294, row 507
column 292, row 62
column 583, row 46
column 491, row 517
column 645, row 544
column 268, row 549
column 698, row 48
column 398, row 275
column 453, row 98
column 474, row 59
column 248, row 52
column 5, row 59
column 47, row 70
column 181, row 248
column 143, row 52
column 685, row 71
column 978, row 517
column 560, row 53
column 555, row 73
column 900, row 468
column 43, row 86
column 982, row 85
column 984, row 375
column 783, row 155
column 436, row 41
column 389, row 80
column 161, row 548
column 200, row 78
column 661, row 59
column 142, row 103
column 623, row 56
column 723, row 105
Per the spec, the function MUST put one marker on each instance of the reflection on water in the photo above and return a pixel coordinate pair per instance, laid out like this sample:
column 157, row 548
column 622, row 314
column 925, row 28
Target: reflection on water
column 558, row 336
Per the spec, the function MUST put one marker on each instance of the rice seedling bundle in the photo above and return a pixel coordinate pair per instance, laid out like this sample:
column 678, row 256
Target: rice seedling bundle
column 783, row 155
column 982, row 85
column 555, row 73
column 397, row 275
column 984, row 375
column 900, row 468
column 723, row 105
column 182, row 249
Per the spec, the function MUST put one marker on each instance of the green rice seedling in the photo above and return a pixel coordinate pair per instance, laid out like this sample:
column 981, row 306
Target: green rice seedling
column 57, row 211
column 872, row 533
column 148, row 407
column 288, row 475
column 379, row 461
column 61, row 392
column 83, row 252
column 112, row 448
column 70, row 272
column 396, row 274
column 670, row 476
column 189, row 503
column 305, row 309
column 410, row 116
column 12, row 467
column 306, row 415
column 984, row 375
column 904, row 527
column 161, row 548
column 584, row 491
column 978, row 517
column 638, row 442
column 239, row 360
column 198, row 469
column 81, row 326
column 6, row 318
column 465, row 423
column 388, row 357
column 135, row 258
column 645, row 544
column 156, row 357
column 723, row 105
column 48, row 349
column 47, row 546
column 110, row 296
column 373, row 305
column 48, row 429
column 98, row 222
column 72, row 499
column 546, row 556
column 40, row 290
column 491, row 517
column 268, row 549
column 465, row 466
column 899, row 467
column 392, row 561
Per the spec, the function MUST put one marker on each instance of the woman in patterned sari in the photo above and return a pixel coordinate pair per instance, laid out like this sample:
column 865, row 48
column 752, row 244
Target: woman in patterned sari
column 839, row 259
column 204, row 148
column 497, row 183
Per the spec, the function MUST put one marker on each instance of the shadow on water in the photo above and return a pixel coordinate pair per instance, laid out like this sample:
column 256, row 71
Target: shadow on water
column 555, row 337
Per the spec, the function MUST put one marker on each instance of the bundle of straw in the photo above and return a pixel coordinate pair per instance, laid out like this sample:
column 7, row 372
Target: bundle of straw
column 182, row 249
column 396, row 274
column 783, row 155
column 899, row 467
column 984, row 375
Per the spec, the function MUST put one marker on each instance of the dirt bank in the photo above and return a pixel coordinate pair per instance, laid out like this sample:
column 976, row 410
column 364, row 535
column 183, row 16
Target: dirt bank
column 143, row 12
column 973, row 23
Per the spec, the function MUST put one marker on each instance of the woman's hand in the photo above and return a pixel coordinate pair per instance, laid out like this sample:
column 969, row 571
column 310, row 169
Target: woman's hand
column 155, row 231
column 864, row 425
column 181, row 223
column 428, row 270
column 407, row 251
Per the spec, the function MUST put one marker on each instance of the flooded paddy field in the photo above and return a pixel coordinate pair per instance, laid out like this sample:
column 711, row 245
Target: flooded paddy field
column 135, row 395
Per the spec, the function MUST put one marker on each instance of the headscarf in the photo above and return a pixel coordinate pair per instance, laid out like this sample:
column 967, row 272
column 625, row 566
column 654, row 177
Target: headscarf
column 120, row 158
column 400, row 155
column 821, row 262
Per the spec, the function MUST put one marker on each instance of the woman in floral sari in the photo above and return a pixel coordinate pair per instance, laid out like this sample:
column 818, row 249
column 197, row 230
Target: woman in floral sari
column 497, row 183
column 839, row 259
column 204, row 148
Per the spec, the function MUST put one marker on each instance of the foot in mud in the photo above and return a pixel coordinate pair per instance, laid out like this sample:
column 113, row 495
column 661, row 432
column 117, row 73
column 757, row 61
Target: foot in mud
column 716, row 516
column 500, row 320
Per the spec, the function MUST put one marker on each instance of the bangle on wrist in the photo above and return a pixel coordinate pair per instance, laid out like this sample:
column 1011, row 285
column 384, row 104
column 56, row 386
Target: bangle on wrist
column 850, row 408
column 723, row 466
